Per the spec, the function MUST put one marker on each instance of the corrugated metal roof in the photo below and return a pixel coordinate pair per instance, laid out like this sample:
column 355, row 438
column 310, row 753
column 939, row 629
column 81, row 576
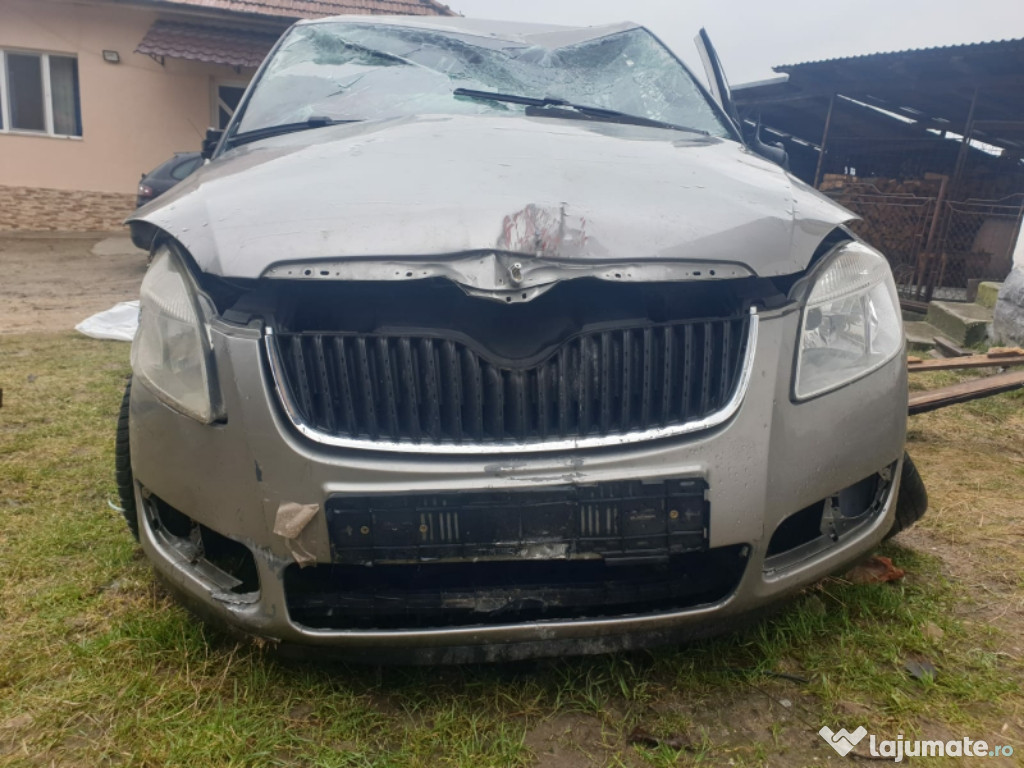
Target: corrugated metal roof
column 313, row 9
column 1017, row 42
column 216, row 45
column 886, row 104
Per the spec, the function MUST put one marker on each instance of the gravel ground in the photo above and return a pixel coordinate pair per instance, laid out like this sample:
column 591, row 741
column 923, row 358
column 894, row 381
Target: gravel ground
column 51, row 282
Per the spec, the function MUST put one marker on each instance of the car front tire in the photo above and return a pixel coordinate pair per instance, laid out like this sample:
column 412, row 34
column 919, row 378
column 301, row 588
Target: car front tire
column 912, row 501
column 123, row 465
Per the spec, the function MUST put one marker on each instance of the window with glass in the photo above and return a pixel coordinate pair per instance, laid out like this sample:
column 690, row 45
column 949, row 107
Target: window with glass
column 228, row 99
column 39, row 93
column 183, row 170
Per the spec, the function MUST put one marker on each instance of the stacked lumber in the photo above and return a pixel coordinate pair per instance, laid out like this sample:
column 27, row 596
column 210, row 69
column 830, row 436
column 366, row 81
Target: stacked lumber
column 922, row 402
column 1002, row 357
column 838, row 184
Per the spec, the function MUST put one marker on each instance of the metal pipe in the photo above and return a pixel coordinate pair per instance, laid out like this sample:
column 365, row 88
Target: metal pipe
column 824, row 141
column 938, row 213
column 965, row 144
column 925, row 259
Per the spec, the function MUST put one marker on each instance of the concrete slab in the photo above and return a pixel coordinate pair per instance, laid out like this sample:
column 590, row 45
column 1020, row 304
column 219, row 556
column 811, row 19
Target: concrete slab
column 966, row 324
column 49, row 284
column 117, row 245
column 920, row 335
column 988, row 292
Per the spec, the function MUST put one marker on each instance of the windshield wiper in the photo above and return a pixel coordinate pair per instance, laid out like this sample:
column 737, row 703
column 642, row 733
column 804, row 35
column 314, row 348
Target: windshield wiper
column 279, row 130
column 549, row 107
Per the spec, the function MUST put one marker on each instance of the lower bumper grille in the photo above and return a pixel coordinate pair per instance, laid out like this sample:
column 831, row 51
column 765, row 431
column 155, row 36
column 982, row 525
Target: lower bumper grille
column 446, row 391
column 464, row 594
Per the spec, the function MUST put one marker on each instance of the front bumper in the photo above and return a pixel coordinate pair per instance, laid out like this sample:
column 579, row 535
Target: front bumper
column 770, row 460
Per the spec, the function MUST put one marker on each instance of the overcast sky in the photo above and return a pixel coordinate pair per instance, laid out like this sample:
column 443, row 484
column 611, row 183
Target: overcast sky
column 751, row 37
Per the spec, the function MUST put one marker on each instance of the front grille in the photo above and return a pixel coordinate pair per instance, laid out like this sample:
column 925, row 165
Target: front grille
column 444, row 389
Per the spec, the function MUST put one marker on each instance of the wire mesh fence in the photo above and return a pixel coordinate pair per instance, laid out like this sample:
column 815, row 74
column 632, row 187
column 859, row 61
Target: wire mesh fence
column 936, row 247
column 944, row 210
column 977, row 242
column 896, row 224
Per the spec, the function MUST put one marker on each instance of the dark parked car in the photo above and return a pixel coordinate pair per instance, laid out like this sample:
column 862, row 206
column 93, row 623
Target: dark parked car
column 166, row 175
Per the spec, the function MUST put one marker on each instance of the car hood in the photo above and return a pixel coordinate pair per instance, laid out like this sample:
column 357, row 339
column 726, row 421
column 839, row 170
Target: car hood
column 562, row 194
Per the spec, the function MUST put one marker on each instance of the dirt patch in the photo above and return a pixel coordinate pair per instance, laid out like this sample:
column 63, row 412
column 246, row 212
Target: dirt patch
column 974, row 523
column 52, row 283
column 983, row 570
column 568, row 741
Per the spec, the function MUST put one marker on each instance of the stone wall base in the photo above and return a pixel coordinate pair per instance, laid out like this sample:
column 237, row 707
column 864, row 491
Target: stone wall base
column 34, row 209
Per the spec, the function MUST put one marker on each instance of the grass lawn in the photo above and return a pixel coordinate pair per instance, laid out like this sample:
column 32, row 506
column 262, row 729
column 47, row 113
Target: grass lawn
column 98, row 667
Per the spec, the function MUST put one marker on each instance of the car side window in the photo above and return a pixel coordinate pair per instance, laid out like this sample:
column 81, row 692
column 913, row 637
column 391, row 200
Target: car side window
column 185, row 169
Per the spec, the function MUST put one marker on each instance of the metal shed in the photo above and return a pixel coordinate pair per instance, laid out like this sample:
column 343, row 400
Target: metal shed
column 926, row 145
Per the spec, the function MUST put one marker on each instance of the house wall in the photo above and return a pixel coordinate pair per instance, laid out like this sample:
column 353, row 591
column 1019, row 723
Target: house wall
column 134, row 114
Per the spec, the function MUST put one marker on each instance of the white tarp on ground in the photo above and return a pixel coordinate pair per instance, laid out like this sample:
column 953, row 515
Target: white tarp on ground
column 118, row 323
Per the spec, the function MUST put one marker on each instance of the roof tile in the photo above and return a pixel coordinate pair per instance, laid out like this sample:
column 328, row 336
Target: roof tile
column 215, row 45
column 311, row 9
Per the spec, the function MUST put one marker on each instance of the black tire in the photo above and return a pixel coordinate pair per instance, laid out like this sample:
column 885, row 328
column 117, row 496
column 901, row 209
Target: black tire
column 123, row 466
column 912, row 501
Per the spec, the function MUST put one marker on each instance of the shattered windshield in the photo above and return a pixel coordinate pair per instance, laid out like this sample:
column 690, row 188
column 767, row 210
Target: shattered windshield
column 345, row 71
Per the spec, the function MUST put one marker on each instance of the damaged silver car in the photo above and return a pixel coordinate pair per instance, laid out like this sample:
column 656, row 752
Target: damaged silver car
column 479, row 341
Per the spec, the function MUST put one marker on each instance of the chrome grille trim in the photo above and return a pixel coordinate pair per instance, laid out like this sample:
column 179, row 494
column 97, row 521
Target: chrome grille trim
column 279, row 380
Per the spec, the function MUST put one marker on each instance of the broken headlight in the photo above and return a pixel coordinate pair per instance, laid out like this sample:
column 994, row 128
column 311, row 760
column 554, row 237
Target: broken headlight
column 851, row 321
column 170, row 353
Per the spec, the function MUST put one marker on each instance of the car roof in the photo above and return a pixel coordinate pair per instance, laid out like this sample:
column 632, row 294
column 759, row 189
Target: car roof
column 167, row 165
column 548, row 35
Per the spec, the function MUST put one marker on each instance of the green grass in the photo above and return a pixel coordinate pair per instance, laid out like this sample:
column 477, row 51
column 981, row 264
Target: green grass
column 99, row 667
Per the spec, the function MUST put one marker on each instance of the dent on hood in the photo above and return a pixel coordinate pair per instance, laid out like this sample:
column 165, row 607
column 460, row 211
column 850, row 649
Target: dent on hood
column 523, row 204
column 546, row 232
column 538, row 247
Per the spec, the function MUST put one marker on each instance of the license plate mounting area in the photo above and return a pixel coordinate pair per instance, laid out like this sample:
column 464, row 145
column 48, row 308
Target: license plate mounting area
column 625, row 522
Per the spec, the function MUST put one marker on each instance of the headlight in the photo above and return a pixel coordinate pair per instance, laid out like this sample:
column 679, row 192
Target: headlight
column 851, row 320
column 170, row 353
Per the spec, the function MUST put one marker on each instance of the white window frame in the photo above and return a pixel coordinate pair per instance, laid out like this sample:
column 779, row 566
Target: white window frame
column 5, row 94
column 215, row 85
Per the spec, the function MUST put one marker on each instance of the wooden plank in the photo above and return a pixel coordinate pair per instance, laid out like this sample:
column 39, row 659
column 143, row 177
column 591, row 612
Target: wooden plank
column 922, row 402
column 1005, row 352
column 973, row 361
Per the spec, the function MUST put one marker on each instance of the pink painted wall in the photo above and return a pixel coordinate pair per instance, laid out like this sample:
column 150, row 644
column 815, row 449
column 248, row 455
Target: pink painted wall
column 134, row 114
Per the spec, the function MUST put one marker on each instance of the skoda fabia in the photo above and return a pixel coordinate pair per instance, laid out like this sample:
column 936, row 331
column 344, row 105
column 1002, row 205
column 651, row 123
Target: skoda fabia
column 477, row 340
